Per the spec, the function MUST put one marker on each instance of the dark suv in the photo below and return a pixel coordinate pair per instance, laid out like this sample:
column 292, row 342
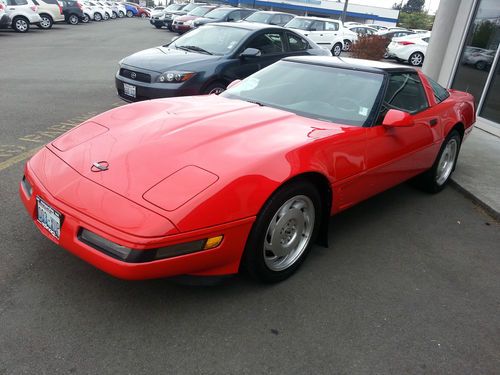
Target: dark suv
column 73, row 12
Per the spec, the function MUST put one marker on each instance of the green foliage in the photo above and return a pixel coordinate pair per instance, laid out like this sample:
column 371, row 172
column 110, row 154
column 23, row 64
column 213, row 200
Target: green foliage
column 416, row 20
column 414, row 6
column 482, row 34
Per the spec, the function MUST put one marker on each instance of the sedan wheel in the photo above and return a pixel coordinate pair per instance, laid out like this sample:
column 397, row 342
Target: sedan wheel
column 46, row 22
column 20, row 25
column 129, row 14
column 337, row 49
column 283, row 232
column 416, row 59
column 73, row 19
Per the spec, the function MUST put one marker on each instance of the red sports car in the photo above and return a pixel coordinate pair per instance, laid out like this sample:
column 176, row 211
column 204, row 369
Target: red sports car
column 210, row 185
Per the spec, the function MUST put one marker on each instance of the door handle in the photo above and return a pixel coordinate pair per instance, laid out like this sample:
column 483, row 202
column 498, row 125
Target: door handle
column 433, row 122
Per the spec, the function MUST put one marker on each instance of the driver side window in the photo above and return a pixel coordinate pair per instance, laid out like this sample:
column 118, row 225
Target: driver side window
column 267, row 43
column 406, row 93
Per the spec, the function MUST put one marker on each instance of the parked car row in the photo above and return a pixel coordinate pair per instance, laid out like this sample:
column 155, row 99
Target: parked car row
column 20, row 15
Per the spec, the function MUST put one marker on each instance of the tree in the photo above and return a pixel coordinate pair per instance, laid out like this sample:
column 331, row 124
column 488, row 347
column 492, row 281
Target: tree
column 413, row 6
column 482, row 34
column 415, row 20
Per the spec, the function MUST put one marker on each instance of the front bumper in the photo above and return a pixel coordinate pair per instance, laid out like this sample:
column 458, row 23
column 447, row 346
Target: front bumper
column 222, row 260
column 156, row 90
column 156, row 22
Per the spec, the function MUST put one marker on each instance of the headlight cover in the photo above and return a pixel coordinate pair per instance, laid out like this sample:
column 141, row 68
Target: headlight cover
column 175, row 76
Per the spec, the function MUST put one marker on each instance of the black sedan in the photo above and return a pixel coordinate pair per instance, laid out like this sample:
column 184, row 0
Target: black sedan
column 207, row 59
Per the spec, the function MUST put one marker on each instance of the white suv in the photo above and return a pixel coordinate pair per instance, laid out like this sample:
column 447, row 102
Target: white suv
column 22, row 13
column 325, row 32
column 50, row 11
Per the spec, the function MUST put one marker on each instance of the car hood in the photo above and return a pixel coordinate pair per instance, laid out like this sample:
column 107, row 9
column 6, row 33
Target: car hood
column 160, row 59
column 146, row 142
column 185, row 18
column 204, row 20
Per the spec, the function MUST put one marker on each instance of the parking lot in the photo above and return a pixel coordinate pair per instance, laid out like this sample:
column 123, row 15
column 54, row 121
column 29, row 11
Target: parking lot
column 409, row 284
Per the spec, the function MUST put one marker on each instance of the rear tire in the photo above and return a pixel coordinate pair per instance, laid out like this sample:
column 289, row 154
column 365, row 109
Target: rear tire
column 106, row 16
column 158, row 26
column 416, row 59
column 284, row 233
column 73, row 19
column 435, row 179
column 337, row 49
column 20, row 24
column 121, row 14
column 86, row 18
column 46, row 22
column 130, row 14
column 98, row 17
column 347, row 45
column 114, row 15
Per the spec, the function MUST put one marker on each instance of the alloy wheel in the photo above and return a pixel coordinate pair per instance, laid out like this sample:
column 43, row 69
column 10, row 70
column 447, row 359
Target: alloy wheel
column 447, row 161
column 289, row 233
column 21, row 25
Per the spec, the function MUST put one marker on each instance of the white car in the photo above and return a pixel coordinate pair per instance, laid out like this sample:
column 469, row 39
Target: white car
column 22, row 14
column 325, row 32
column 409, row 48
column 376, row 26
column 363, row 30
column 99, row 13
column 122, row 10
column 108, row 12
column 50, row 11
column 88, row 12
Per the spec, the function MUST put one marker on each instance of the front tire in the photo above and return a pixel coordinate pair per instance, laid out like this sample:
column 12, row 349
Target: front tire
column 106, row 16
column 284, row 232
column 20, row 24
column 114, row 15
column 46, row 22
column 215, row 88
column 86, row 18
column 337, row 49
column 130, row 14
column 436, row 178
column 97, row 17
column 121, row 14
column 416, row 59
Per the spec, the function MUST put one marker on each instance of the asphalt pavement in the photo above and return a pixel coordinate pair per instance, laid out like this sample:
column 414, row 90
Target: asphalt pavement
column 409, row 285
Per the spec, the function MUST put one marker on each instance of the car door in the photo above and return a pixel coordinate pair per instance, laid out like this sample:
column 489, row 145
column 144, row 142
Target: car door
column 317, row 34
column 394, row 154
column 272, row 48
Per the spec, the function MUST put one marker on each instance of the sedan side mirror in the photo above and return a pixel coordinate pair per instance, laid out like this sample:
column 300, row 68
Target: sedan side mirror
column 236, row 82
column 395, row 118
column 250, row 52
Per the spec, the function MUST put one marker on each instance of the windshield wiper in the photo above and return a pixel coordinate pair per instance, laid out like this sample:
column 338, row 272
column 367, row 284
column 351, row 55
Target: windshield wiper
column 194, row 48
column 255, row 102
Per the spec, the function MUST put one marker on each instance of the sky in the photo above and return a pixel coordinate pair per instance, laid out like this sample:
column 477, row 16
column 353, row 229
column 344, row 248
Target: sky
column 430, row 5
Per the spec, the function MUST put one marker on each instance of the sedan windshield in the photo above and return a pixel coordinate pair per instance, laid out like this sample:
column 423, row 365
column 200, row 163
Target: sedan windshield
column 218, row 13
column 259, row 17
column 174, row 7
column 300, row 23
column 325, row 93
column 212, row 40
column 199, row 11
column 190, row 7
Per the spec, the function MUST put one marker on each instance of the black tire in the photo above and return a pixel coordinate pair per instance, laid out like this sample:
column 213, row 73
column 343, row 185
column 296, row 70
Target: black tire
column 481, row 65
column 337, row 49
column 114, row 15
column 86, row 18
column 106, row 16
column 347, row 45
column 416, row 59
column 158, row 26
column 46, row 22
column 214, row 88
column 73, row 19
column 20, row 24
column 254, row 256
column 431, row 180
column 121, row 14
column 130, row 14
column 97, row 17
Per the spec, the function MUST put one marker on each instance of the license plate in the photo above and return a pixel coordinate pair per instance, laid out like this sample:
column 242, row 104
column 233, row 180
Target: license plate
column 48, row 217
column 129, row 90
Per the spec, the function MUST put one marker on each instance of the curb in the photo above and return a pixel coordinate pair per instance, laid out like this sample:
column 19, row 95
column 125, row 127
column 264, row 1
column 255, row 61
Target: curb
column 474, row 198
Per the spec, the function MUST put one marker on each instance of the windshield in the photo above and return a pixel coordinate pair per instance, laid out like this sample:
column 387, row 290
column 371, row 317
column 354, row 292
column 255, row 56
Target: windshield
column 325, row 93
column 174, row 7
column 213, row 40
column 190, row 6
column 200, row 11
column 218, row 13
column 259, row 17
column 300, row 23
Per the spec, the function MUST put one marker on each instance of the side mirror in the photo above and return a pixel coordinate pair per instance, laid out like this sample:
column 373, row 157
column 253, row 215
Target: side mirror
column 236, row 82
column 250, row 52
column 230, row 19
column 397, row 119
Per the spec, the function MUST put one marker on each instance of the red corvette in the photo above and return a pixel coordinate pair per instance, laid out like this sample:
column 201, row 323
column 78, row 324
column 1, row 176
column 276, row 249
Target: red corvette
column 210, row 185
